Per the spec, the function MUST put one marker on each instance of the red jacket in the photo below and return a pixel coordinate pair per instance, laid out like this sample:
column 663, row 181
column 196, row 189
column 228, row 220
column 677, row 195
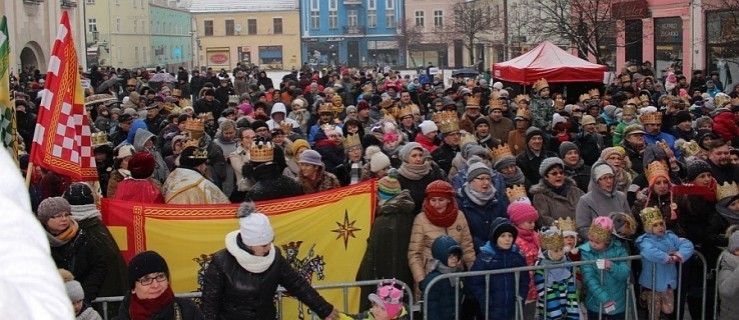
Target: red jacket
column 425, row 142
column 138, row 191
column 724, row 124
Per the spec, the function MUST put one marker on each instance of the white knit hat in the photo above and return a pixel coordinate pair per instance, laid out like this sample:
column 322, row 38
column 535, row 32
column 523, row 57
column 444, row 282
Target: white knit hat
column 428, row 126
column 379, row 161
column 254, row 227
column 74, row 290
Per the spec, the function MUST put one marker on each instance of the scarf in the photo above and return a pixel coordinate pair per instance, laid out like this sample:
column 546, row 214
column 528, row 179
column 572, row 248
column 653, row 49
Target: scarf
column 124, row 172
column 441, row 219
column 479, row 198
column 143, row 309
column 530, row 236
column 251, row 263
column 85, row 211
column 64, row 237
column 414, row 171
column 722, row 207
column 555, row 274
column 442, row 268
column 562, row 191
column 516, row 179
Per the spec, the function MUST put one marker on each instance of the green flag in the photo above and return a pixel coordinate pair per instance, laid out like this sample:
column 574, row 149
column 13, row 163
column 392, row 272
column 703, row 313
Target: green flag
column 7, row 110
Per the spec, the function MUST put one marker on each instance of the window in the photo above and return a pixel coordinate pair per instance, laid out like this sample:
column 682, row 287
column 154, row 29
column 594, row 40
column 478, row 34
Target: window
column 371, row 13
column 277, row 25
column 230, row 27
column 143, row 27
column 119, row 54
column 438, row 18
column 315, row 14
column 352, row 18
column 333, row 14
column 89, row 1
column 251, row 26
column 143, row 55
column 135, row 25
column 208, row 27
column 419, row 18
column 92, row 25
column 117, row 24
column 136, row 54
column 134, row 3
column 390, row 13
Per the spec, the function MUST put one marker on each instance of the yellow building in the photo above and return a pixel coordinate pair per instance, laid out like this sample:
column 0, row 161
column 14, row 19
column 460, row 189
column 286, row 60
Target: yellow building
column 253, row 32
column 118, row 33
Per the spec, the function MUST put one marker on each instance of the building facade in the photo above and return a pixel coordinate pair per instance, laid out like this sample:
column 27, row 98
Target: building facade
column 352, row 33
column 118, row 33
column 249, row 32
column 32, row 28
column 171, row 38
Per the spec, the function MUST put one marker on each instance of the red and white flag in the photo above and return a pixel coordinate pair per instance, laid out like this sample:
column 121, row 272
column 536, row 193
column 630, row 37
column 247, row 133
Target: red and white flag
column 61, row 142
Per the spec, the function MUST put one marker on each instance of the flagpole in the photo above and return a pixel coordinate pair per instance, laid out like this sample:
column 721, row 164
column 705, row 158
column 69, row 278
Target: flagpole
column 29, row 174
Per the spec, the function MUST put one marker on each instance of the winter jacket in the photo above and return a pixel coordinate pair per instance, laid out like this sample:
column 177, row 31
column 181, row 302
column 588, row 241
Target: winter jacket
column 613, row 287
column 232, row 292
column 480, row 217
column 423, row 235
column 724, row 174
column 499, row 130
column 116, row 276
column 441, row 295
column 418, row 187
column 598, row 203
column 590, row 145
column 325, row 181
column 529, row 163
column 704, row 227
column 556, row 287
column 727, row 281
column 160, row 167
column 668, row 138
column 215, row 107
column 501, row 296
column 580, row 173
column 655, row 251
column 552, row 206
column 663, row 203
column 188, row 310
column 82, row 258
column 444, row 155
column 426, row 143
column 724, row 125
column 273, row 186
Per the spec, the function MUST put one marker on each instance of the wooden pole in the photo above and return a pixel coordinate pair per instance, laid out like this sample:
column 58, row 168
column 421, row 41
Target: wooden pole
column 29, row 174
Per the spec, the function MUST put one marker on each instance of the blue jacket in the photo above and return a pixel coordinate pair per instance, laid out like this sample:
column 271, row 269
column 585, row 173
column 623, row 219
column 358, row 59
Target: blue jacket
column 479, row 217
column 502, row 293
column 613, row 287
column 655, row 252
column 441, row 296
column 670, row 139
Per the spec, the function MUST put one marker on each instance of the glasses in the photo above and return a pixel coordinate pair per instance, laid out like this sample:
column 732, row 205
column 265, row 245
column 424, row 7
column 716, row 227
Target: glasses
column 145, row 281
column 556, row 173
column 62, row 215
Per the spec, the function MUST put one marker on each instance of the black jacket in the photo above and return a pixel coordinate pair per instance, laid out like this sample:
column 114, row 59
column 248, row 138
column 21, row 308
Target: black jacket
column 529, row 163
column 271, row 183
column 728, row 173
column 418, row 187
column 197, row 83
column 204, row 106
column 444, row 155
column 188, row 309
column 81, row 257
column 232, row 292
column 580, row 174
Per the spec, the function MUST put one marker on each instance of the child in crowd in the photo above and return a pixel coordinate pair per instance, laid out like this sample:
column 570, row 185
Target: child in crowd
column 447, row 256
column 728, row 276
column 569, row 235
column 500, row 252
column 77, row 296
column 557, row 294
column 628, row 117
column 524, row 216
column 609, row 295
column 387, row 304
column 660, row 249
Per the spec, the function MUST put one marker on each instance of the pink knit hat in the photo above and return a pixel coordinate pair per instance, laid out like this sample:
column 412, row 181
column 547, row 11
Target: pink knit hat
column 520, row 212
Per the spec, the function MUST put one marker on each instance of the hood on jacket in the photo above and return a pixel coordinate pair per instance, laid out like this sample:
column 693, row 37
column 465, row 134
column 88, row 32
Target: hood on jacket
column 140, row 138
column 401, row 204
column 135, row 126
column 278, row 107
column 444, row 246
column 593, row 185
column 652, row 153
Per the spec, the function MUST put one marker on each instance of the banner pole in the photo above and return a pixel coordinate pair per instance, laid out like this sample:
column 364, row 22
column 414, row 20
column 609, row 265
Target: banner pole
column 29, row 174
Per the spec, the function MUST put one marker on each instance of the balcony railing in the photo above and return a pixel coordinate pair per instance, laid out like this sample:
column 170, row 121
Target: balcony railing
column 353, row 2
column 33, row 2
column 353, row 29
column 68, row 4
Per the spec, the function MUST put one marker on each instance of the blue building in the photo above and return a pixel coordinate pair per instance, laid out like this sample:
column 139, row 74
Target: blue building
column 171, row 41
column 352, row 33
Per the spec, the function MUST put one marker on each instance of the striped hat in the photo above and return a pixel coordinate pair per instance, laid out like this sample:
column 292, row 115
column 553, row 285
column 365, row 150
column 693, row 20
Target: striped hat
column 388, row 186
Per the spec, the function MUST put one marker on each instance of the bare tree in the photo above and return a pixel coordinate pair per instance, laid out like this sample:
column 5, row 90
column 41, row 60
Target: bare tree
column 723, row 31
column 471, row 20
column 413, row 37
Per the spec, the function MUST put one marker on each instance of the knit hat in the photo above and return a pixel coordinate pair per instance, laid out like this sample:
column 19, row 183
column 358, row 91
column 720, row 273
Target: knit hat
column 388, row 186
column 521, row 212
column 141, row 165
column 557, row 118
column 696, row 167
column 702, row 134
column 440, row 188
column 258, row 124
column 51, row 207
column 587, row 119
column 533, row 131
column 500, row 226
column 311, row 157
column 682, row 116
column 428, row 126
column 405, row 151
column 600, row 170
column 480, row 121
column 74, row 290
column 379, row 161
column 79, row 193
column 610, row 110
column 474, row 149
column 145, row 263
column 299, row 143
column 547, row 164
column 476, row 167
column 734, row 241
column 254, row 227
column 505, row 162
column 607, row 152
column 566, row 147
column 125, row 151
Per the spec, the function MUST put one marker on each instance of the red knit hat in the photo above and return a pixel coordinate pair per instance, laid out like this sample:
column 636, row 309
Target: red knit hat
column 440, row 188
column 520, row 212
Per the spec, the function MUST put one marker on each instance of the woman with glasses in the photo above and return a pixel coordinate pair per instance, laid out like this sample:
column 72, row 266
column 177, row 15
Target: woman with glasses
column 602, row 198
column 71, row 248
column 151, row 296
column 555, row 196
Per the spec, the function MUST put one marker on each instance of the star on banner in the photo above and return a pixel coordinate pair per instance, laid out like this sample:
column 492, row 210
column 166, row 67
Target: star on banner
column 346, row 229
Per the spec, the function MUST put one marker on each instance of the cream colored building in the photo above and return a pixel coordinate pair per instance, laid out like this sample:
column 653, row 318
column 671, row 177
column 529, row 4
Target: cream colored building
column 263, row 33
column 32, row 28
column 118, row 33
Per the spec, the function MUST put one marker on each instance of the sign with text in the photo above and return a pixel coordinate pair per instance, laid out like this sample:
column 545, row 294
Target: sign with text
column 218, row 58
column 627, row 10
column 668, row 30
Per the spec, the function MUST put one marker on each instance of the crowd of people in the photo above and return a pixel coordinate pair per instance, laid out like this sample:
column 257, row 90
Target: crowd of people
column 470, row 176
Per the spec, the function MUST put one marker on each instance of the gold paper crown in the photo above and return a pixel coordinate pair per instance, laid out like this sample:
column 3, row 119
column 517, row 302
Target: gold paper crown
column 633, row 101
column 191, row 143
column 663, row 144
column 467, row 138
column 594, row 93
column 233, row 99
column 261, row 152
column 326, row 127
column 650, row 216
column 177, row 92
column 199, row 153
column 551, row 239
column 351, row 141
column 404, row 112
column 560, row 103
column 495, row 104
column 195, row 128
column 442, row 116
column 625, row 78
column 644, row 98
column 98, row 139
column 472, row 102
column 185, row 103
column 387, row 103
column 584, row 97
column 524, row 113
column 516, row 193
column 726, row 190
column 286, row 127
column 540, row 84
column 689, row 148
column 567, row 225
column 450, row 125
column 598, row 233
column 131, row 82
column 500, row 151
column 337, row 98
column 205, row 116
column 522, row 97
column 651, row 118
column 628, row 110
column 656, row 168
column 326, row 108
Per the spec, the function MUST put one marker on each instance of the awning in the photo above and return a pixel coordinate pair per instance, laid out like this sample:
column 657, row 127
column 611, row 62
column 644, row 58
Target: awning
column 270, row 54
column 92, row 51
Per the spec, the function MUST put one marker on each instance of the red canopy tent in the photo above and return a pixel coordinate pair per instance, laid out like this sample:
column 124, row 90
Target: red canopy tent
column 549, row 62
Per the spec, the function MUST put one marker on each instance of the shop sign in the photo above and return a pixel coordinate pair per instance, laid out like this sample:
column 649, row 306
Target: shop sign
column 218, row 58
column 382, row 45
column 335, row 39
column 628, row 10
column 310, row 39
column 669, row 30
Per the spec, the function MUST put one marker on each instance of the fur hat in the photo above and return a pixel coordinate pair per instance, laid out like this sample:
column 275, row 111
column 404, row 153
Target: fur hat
column 547, row 164
column 388, row 186
column 79, row 193
column 500, row 226
column 51, row 207
column 141, row 165
column 696, row 167
column 608, row 152
column 145, row 263
column 476, row 167
column 254, row 227
column 311, row 157
column 521, row 212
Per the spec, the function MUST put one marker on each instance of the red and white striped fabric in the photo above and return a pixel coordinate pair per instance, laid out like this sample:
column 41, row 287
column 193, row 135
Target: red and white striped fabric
column 62, row 138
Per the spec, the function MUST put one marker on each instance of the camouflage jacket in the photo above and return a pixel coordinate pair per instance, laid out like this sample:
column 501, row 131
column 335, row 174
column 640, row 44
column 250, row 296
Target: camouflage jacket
column 542, row 110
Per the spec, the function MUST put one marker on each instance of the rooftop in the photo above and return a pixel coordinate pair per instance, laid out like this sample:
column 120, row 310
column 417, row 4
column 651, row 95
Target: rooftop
column 225, row 6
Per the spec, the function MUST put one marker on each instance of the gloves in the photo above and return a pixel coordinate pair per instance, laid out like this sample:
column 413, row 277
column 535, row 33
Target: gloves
column 603, row 264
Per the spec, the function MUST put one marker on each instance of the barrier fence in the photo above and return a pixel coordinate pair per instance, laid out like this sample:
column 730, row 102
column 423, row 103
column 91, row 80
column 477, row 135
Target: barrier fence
column 631, row 311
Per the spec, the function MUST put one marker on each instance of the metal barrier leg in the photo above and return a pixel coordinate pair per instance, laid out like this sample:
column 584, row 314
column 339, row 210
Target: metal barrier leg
column 680, row 283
